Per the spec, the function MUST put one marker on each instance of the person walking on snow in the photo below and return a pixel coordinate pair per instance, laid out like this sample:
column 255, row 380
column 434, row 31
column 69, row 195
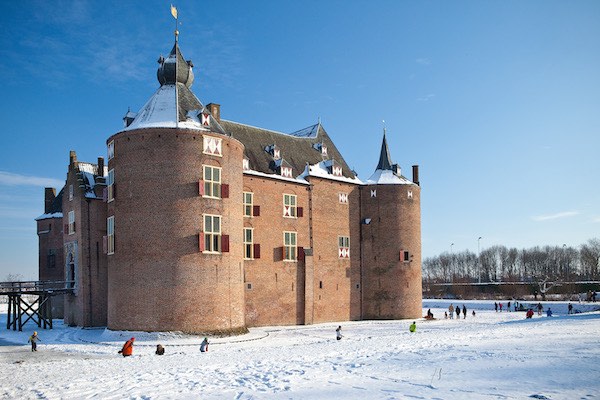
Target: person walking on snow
column 500, row 305
column 451, row 311
column 508, row 307
column 33, row 339
column 540, row 308
column 338, row 333
column 204, row 345
column 548, row 312
column 127, row 349
column 160, row 350
column 570, row 308
column 412, row 327
column 464, row 312
column 496, row 306
column 457, row 312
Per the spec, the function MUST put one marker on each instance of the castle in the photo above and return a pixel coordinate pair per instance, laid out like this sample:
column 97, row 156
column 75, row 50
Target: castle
column 201, row 224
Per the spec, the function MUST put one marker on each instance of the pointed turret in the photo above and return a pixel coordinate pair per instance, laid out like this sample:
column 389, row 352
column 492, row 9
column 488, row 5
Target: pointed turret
column 386, row 172
column 385, row 161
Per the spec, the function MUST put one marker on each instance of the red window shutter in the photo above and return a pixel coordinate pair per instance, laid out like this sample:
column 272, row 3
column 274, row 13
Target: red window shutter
column 300, row 253
column 300, row 212
column 105, row 195
column 201, row 187
column 224, row 191
column 256, row 250
column 224, row 243
column 201, row 242
column 401, row 255
column 105, row 244
column 256, row 211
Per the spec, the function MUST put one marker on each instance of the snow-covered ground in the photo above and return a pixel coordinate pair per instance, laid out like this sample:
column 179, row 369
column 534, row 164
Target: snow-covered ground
column 490, row 356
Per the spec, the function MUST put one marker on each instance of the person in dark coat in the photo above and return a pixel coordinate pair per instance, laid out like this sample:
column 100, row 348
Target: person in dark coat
column 204, row 345
column 338, row 333
column 457, row 312
column 496, row 306
column 160, row 350
column 464, row 312
column 570, row 308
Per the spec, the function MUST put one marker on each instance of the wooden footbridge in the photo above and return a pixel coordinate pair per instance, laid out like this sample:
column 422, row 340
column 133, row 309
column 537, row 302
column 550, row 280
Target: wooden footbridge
column 32, row 301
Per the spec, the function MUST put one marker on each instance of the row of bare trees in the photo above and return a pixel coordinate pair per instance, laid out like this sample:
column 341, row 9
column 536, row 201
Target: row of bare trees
column 502, row 264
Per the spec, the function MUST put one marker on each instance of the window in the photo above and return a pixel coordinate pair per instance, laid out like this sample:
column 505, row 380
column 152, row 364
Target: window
column 71, row 222
column 212, row 233
column 212, row 181
column 343, row 247
column 406, row 256
column 110, row 234
column 110, row 182
column 110, row 151
column 70, row 192
column 343, row 198
column 51, row 258
column 248, row 243
column 289, row 205
column 289, row 246
column 248, row 203
column 212, row 145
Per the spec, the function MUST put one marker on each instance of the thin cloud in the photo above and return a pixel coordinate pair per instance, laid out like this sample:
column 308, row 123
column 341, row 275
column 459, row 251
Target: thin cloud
column 10, row 179
column 423, row 61
column 564, row 214
column 427, row 97
column 596, row 220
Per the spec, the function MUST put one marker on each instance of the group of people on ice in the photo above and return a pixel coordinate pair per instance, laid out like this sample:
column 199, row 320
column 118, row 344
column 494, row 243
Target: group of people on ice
column 451, row 311
column 127, row 348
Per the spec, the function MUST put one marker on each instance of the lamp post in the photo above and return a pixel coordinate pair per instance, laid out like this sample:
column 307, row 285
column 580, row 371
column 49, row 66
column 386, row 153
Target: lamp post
column 479, row 257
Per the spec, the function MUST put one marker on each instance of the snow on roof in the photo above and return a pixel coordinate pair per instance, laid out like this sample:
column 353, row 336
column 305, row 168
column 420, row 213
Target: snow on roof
column 160, row 112
column 48, row 216
column 320, row 170
column 387, row 177
column 299, row 179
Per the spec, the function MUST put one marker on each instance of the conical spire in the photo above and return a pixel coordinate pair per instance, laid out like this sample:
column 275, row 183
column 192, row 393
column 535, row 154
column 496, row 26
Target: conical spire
column 385, row 161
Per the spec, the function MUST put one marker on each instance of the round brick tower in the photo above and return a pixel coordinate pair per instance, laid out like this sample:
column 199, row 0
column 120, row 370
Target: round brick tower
column 175, row 214
column 391, row 243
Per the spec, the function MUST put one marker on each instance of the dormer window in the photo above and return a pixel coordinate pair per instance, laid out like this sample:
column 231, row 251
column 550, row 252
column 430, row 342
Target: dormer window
column 246, row 164
column 206, row 119
column 286, row 171
column 336, row 170
column 321, row 147
column 111, row 150
column 274, row 151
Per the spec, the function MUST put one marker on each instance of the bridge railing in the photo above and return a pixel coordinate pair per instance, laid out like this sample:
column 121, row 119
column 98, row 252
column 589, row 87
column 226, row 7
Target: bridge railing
column 35, row 286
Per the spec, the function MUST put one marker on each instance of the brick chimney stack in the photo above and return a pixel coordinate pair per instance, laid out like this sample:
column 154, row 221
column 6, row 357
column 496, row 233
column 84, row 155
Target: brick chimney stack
column 100, row 166
column 72, row 158
column 215, row 110
column 415, row 170
column 49, row 196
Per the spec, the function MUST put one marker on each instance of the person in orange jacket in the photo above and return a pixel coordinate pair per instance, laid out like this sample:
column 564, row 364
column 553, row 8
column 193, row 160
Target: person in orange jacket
column 127, row 349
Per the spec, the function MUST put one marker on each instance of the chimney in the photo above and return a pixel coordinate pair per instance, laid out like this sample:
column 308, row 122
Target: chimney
column 49, row 196
column 416, row 174
column 215, row 110
column 72, row 158
column 100, row 166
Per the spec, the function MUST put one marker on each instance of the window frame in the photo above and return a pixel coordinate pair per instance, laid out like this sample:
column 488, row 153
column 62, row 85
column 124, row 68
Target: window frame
column 248, row 244
column 248, row 207
column 71, row 230
column 290, row 250
column 110, row 235
column 110, row 151
column 343, row 243
column 212, row 237
column 210, row 185
column 110, row 181
column 71, row 192
column 293, row 207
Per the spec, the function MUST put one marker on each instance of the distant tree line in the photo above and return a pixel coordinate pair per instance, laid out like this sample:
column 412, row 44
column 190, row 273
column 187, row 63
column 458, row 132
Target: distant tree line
column 502, row 264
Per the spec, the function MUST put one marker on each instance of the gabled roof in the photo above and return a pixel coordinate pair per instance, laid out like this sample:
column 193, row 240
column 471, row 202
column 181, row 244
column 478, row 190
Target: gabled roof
column 296, row 149
column 55, row 210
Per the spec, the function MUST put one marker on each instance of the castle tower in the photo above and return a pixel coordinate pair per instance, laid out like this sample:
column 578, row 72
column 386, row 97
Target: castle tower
column 174, row 226
column 391, row 242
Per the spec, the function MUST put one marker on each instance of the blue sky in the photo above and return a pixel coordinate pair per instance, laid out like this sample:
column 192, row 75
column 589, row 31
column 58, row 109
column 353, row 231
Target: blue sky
column 498, row 102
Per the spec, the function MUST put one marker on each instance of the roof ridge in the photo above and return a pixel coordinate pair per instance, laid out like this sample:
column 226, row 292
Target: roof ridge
column 272, row 131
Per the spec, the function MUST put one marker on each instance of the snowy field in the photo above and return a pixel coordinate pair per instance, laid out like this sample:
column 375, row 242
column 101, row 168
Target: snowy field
column 490, row 356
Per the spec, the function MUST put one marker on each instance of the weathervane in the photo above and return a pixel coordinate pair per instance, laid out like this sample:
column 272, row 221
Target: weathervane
column 174, row 14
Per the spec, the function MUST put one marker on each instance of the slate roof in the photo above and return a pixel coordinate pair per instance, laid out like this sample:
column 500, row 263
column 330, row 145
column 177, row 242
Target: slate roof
column 296, row 149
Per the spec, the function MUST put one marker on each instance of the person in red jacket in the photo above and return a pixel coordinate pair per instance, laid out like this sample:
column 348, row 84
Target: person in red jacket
column 127, row 349
column 529, row 313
